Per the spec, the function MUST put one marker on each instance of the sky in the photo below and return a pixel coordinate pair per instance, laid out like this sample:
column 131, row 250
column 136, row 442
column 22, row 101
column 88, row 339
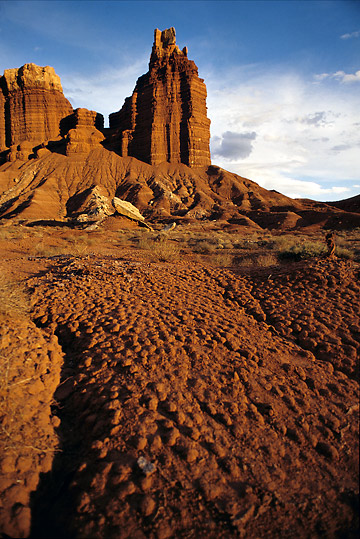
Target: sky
column 282, row 77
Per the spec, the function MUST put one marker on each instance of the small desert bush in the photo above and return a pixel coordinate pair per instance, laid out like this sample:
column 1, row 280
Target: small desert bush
column 11, row 233
column 247, row 243
column 267, row 260
column 284, row 242
column 300, row 251
column 262, row 261
column 161, row 248
column 221, row 260
column 14, row 297
column 42, row 249
column 245, row 262
column 146, row 243
column 166, row 251
column 123, row 237
column 204, row 247
column 5, row 234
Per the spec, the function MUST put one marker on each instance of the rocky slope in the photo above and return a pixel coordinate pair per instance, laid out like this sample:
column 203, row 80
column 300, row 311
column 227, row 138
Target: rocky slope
column 53, row 186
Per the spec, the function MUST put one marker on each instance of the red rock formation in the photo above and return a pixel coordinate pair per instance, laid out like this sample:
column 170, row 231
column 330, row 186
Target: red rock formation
column 32, row 105
column 165, row 118
column 2, row 121
column 84, row 134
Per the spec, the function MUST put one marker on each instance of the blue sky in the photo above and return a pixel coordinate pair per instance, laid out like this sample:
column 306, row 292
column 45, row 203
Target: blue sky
column 283, row 77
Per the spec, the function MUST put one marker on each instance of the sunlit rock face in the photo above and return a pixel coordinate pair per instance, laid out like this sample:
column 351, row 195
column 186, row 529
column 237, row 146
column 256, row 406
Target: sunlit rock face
column 32, row 104
column 165, row 119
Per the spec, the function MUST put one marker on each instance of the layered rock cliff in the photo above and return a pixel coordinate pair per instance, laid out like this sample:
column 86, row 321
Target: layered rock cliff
column 32, row 104
column 165, row 118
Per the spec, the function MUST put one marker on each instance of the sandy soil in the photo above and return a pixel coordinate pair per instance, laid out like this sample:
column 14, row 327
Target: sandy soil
column 158, row 399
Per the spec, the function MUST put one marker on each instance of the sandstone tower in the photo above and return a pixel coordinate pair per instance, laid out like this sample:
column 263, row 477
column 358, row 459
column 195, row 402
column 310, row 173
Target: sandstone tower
column 165, row 118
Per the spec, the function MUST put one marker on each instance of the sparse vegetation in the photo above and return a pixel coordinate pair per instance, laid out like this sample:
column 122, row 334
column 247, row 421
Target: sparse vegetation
column 299, row 251
column 221, row 260
column 266, row 260
column 161, row 248
column 14, row 297
column 204, row 247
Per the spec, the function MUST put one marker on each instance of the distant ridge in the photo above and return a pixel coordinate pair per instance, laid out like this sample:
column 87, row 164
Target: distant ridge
column 348, row 204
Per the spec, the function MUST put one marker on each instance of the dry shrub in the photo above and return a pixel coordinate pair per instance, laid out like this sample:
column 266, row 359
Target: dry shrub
column 285, row 242
column 146, row 243
column 74, row 246
column 123, row 238
column 301, row 250
column 245, row 262
column 204, row 247
column 5, row 234
column 161, row 248
column 221, row 260
column 11, row 233
column 263, row 261
column 266, row 260
column 14, row 297
column 166, row 251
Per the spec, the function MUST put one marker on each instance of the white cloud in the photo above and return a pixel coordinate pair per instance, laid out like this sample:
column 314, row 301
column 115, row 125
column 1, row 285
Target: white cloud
column 340, row 76
column 271, row 178
column 351, row 35
column 307, row 142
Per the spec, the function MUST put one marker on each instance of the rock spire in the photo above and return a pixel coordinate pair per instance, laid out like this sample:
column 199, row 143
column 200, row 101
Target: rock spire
column 165, row 119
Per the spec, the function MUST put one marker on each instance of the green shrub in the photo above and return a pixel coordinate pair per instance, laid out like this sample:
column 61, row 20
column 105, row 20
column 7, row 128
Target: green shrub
column 307, row 249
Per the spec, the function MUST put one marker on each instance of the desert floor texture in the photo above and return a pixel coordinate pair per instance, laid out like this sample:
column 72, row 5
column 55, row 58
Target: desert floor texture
column 184, row 385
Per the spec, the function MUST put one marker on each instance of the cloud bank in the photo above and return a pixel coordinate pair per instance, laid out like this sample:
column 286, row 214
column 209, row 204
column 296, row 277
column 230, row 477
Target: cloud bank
column 287, row 132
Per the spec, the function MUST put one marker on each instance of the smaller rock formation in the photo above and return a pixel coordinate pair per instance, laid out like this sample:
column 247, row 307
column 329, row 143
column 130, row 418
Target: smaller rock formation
column 32, row 104
column 165, row 119
column 96, row 205
column 83, row 134
column 125, row 208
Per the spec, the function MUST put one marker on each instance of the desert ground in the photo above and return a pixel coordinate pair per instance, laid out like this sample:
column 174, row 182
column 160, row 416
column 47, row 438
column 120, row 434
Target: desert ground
column 199, row 382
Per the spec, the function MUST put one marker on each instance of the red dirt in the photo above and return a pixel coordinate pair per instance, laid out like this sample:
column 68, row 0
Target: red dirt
column 241, row 388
